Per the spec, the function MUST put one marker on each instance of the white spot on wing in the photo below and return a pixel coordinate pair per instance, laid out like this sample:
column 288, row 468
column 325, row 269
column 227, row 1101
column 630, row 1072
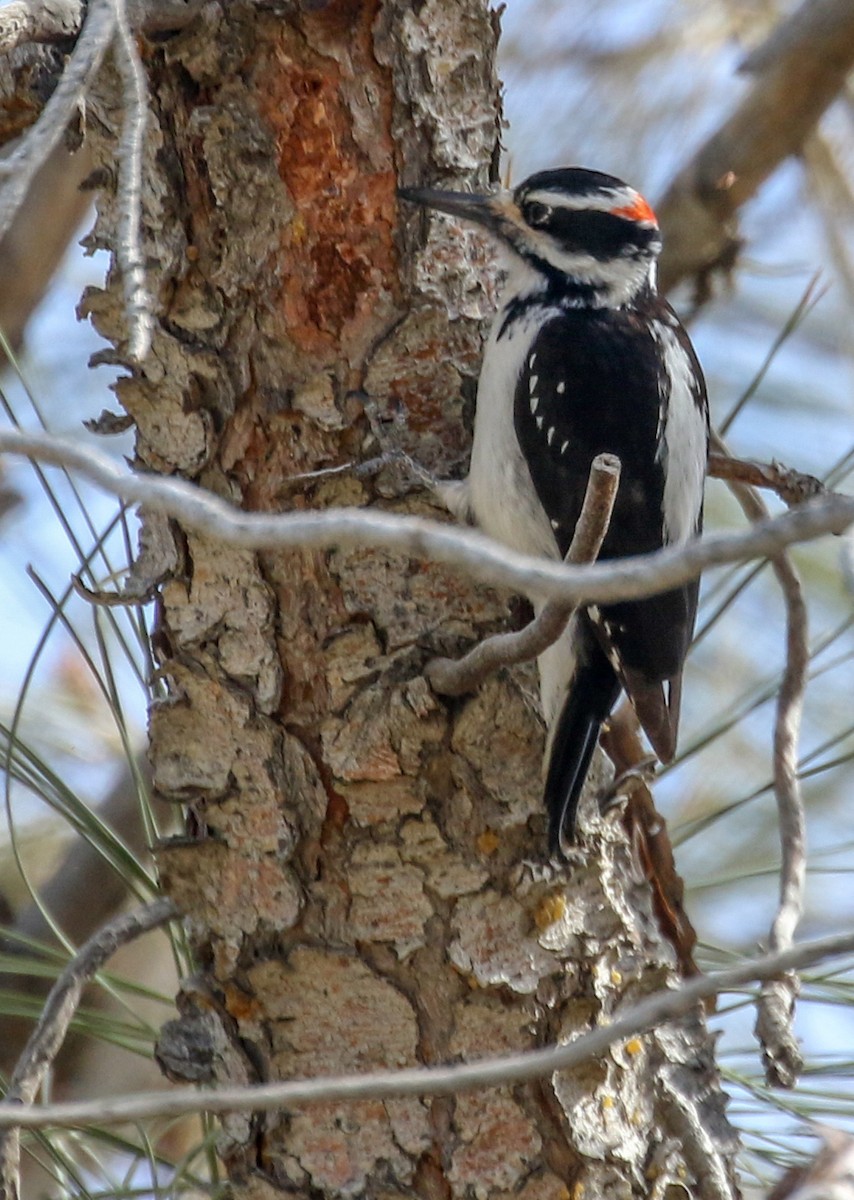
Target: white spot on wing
column 561, row 388
column 563, row 447
column 535, row 400
column 532, row 382
column 539, row 422
column 550, row 435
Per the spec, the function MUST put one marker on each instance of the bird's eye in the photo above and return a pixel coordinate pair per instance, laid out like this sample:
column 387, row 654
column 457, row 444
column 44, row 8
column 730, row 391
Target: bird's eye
column 536, row 213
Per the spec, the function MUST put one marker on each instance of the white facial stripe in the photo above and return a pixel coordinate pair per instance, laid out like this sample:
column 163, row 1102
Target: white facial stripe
column 614, row 281
column 617, row 279
column 599, row 201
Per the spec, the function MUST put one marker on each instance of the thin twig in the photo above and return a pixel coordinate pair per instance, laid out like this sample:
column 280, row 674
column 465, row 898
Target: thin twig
column 138, row 301
column 466, row 549
column 450, row 677
column 19, row 169
column 61, row 1004
column 655, row 1010
column 783, row 1059
column 811, row 296
column 793, row 487
column 359, row 470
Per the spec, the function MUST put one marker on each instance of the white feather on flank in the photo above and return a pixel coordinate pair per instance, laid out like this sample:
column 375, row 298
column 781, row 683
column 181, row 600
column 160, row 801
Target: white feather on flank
column 556, row 666
column 682, row 448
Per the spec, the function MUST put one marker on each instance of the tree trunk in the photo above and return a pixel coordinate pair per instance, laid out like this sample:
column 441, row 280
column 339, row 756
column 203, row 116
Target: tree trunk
column 353, row 875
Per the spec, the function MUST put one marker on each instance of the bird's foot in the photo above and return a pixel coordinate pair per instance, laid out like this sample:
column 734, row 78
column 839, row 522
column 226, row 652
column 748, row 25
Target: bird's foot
column 452, row 494
column 387, row 432
column 619, row 789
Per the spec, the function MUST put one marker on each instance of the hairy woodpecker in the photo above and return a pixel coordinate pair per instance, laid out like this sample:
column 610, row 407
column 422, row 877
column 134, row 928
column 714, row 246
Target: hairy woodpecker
column 585, row 356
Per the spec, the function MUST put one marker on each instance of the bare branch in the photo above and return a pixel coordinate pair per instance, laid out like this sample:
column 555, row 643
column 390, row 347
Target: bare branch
column 451, row 677
column 60, row 1007
column 797, row 73
column 138, row 302
column 650, row 1013
column 455, row 677
column 470, row 551
column 783, row 1059
column 793, row 487
column 107, row 21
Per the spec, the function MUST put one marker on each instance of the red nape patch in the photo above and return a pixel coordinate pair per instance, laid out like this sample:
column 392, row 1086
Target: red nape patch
column 637, row 211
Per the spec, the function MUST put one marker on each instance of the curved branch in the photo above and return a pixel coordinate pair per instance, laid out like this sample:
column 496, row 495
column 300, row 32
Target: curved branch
column 20, row 167
column 663, row 1006
column 783, row 1059
column 478, row 556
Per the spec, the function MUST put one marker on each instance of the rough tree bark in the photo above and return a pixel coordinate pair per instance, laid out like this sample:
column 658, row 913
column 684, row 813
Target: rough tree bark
column 353, row 875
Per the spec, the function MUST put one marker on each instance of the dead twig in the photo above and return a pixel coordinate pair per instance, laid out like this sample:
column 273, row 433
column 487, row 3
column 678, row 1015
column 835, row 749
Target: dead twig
column 19, row 169
column 138, row 301
column 793, row 487
column 454, row 677
column 648, row 832
column 783, row 1060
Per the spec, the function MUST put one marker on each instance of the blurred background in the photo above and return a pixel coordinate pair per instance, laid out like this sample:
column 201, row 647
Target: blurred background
column 631, row 87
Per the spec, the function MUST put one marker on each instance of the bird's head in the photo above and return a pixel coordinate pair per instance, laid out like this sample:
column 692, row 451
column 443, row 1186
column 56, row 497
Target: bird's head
column 581, row 232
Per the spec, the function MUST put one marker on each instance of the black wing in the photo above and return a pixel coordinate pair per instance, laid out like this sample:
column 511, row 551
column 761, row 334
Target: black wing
column 593, row 381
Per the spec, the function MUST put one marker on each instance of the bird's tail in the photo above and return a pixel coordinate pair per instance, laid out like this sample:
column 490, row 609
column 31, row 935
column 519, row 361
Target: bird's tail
column 593, row 691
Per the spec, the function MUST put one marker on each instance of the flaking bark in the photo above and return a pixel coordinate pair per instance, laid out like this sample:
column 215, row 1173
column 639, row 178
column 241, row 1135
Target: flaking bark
column 353, row 880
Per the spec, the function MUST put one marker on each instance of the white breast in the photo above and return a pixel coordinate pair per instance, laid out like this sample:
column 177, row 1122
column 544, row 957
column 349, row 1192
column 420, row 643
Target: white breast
column 503, row 497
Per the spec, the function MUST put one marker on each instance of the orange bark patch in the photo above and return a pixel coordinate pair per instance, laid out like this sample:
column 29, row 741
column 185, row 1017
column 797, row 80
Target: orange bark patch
column 339, row 263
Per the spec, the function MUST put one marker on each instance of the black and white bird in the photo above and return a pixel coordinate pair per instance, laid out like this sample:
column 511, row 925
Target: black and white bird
column 586, row 357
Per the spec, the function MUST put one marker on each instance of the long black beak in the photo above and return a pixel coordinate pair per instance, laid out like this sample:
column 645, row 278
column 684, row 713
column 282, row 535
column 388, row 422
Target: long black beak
column 467, row 206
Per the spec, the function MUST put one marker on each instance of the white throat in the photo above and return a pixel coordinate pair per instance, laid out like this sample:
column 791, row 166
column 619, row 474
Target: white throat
column 615, row 283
